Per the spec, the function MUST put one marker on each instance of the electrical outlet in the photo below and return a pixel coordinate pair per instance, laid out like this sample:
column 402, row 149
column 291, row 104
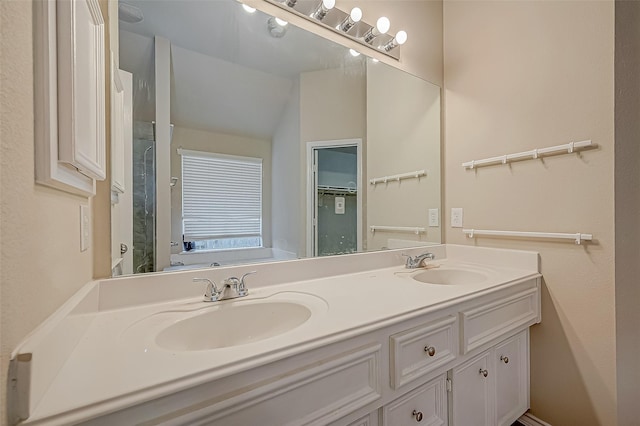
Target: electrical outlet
column 85, row 228
column 433, row 217
column 339, row 205
column 456, row 217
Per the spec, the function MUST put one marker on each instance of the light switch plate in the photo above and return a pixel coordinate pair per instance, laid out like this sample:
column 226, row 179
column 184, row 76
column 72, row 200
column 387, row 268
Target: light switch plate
column 339, row 205
column 85, row 228
column 456, row 217
column 433, row 217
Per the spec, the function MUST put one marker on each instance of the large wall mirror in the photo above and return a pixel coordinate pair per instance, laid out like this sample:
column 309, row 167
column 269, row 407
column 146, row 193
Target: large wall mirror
column 281, row 144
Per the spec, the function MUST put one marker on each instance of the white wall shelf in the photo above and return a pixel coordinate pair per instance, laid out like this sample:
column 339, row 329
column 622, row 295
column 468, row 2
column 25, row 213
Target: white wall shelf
column 412, row 229
column 567, row 148
column 411, row 175
column 577, row 237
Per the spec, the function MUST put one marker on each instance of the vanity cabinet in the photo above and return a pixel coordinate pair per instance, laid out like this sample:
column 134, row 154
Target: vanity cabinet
column 492, row 388
column 465, row 362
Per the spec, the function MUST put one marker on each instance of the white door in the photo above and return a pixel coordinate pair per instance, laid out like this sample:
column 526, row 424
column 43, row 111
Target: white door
column 472, row 389
column 512, row 379
column 344, row 198
column 425, row 405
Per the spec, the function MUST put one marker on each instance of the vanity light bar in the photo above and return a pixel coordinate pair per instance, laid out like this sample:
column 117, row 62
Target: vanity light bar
column 578, row 237
column 348, row 24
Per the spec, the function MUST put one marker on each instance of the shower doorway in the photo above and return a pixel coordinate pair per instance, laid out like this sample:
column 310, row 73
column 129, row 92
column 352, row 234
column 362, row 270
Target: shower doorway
column 334, row 197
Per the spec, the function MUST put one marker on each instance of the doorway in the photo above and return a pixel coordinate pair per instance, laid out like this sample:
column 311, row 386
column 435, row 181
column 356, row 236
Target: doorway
column 334, row 197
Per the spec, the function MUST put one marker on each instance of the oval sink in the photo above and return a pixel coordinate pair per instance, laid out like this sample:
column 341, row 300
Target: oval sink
column 233, row 325
column 449, row 277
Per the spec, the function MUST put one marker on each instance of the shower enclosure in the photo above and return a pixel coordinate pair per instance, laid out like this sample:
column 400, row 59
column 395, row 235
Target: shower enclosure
column 144, row 197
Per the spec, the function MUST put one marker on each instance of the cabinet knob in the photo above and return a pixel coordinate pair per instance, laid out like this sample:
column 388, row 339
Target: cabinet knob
column 417, row 415
column 504, row 359
column 430, row 350
column 485, row 373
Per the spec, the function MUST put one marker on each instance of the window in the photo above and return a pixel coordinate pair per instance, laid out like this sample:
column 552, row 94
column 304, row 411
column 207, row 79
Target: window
column 221, row 200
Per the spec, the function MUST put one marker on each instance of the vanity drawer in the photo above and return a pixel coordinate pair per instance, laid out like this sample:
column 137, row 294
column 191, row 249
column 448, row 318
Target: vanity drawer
column 425, row 405
column 422, row 349
column 488, row 321
column 316, row 394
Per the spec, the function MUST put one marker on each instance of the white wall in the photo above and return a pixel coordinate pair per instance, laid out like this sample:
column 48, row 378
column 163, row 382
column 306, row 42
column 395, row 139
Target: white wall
column 521, row 75
column 220, row 143
column 286, row 191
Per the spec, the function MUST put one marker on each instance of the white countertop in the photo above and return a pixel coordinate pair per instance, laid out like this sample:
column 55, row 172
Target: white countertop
column 115, row 361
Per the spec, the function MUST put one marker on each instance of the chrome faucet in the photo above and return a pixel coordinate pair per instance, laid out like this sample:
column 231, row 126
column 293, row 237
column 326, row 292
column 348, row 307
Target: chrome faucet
column 231, row 288
column 416, row 261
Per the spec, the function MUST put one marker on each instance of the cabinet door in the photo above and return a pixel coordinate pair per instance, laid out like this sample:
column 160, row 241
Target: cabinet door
column 512, row 378
column 472, row 392
column 370, row 419
column 426, row 405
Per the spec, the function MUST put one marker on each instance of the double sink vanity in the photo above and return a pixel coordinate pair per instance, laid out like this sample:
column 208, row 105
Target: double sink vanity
column 351, row 340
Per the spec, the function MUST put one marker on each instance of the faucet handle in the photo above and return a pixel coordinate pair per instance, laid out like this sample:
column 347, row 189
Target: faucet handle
column 242, row 288
column 211, row 293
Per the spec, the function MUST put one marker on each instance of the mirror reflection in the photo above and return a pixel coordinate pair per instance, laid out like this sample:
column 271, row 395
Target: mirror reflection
column 279, row 144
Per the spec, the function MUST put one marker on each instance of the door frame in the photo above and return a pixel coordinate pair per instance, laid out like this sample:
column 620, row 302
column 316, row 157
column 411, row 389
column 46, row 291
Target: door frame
column 310, row 192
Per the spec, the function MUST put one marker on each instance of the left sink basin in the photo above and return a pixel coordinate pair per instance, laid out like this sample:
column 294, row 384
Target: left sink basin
column 232, row 325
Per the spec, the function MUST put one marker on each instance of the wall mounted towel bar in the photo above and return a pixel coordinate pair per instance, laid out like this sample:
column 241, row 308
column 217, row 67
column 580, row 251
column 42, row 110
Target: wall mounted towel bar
column 411, row 175
column 415, row 230
column 567, row 148
column 576, row 237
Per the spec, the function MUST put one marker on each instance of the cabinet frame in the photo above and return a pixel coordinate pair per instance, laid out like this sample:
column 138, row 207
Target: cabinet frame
column 70, row 153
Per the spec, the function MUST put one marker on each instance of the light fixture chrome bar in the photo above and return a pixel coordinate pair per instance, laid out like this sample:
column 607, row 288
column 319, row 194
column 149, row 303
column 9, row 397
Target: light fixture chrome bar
column 342, row 23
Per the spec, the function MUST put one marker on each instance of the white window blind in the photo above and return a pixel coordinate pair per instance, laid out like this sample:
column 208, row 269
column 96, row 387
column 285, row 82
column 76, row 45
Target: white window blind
column 221, row 196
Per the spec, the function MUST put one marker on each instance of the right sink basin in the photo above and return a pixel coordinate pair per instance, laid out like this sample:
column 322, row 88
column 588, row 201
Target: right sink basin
column 449, row 276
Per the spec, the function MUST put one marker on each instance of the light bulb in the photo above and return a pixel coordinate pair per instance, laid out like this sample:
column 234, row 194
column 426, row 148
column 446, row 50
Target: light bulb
column 323, row 8
column 383, row 24
column 401, row 37
column 281, row 22
column 249, row 9
column 356, row 14
column 354, row 53
column 354, row 17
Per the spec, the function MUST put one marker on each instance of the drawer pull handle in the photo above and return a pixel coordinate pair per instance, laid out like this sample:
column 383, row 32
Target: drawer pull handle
column 417, row 415
column 504, row 359
column 430, row 350
column 485, row 373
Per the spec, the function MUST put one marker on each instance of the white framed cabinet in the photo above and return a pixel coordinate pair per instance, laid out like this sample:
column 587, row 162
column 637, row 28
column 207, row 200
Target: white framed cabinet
column 492, row 388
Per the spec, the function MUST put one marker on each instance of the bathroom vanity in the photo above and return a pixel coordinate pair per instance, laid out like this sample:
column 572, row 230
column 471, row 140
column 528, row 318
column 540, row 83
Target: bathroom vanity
column 352, row 340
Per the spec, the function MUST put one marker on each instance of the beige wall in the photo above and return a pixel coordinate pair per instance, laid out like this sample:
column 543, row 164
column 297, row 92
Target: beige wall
column 403, row 135
column 627, row 206
column 220, row 143
column 42, row 265
column 521, row 75
column 286, row 192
